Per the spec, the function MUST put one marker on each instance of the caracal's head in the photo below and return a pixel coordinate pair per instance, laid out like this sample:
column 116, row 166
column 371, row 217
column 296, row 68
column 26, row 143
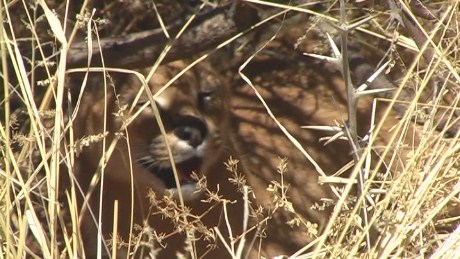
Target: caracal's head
column 191, row 111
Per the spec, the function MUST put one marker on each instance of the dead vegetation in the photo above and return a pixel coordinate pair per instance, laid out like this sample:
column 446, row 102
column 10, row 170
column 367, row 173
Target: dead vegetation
column 341, row 141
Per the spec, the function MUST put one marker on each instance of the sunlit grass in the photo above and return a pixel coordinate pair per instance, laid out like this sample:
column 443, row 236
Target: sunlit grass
column 406, row 206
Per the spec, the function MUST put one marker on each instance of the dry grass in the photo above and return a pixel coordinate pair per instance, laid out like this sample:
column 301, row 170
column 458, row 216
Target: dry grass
column 407, row 191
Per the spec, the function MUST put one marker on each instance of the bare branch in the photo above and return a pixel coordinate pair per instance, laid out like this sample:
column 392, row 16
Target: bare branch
column 141, row 49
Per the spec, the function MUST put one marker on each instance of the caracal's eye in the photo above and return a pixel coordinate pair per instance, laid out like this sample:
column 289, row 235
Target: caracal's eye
column 205, row 97
column 140, row 104
column 145, row 105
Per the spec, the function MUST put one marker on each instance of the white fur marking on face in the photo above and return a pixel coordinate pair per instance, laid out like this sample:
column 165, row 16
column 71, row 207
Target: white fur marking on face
column 183, row 151
column 163, row 102
column 200, row 149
